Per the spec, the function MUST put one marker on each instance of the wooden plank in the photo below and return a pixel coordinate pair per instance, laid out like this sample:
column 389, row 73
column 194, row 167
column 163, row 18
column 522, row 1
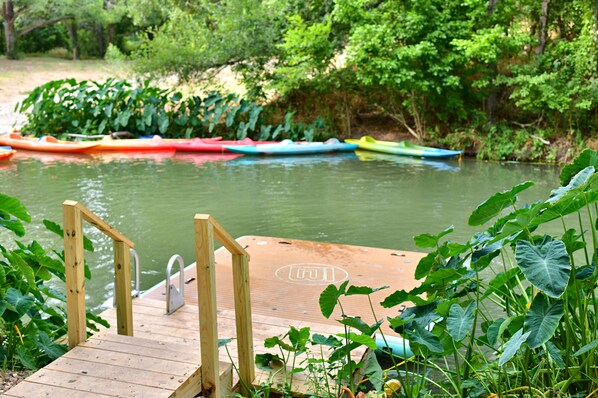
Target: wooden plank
column 27, row 389
column 159, row 350
column 131, row 361
column 166, row 379
column 206, row 285
column 89, row 384
column 74, row 263
column 122, row 288
column 243, row 319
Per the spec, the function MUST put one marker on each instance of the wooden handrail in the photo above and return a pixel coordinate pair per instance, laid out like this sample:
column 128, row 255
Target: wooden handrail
column 222, row 236
column 74, row 260
column 206, row 230
column 100, row 224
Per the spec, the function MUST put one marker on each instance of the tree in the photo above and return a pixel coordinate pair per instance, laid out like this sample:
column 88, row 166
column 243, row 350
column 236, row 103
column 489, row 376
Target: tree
column 23, row 16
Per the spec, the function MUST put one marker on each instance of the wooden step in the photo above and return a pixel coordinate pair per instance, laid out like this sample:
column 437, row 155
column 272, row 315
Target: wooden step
column 109, row 365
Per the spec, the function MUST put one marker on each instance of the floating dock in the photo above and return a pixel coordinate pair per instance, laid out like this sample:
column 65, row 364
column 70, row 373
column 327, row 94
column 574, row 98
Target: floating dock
column 162, row 355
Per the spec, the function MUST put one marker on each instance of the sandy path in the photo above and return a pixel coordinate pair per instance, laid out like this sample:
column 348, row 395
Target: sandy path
column 18, row 78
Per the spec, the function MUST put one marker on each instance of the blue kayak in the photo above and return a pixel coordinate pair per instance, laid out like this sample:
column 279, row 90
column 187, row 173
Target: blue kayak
column 288, row 147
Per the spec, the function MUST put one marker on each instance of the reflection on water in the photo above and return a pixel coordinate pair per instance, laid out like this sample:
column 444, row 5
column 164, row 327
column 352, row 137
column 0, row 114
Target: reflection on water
column 374, row 201
column 410, row 161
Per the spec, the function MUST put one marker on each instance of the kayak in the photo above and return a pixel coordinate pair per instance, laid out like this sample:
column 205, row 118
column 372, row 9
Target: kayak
column 153, row 144
column 45, row 144
column 288, row 147
column 211, row 145
column 6, row 153
column 403, row 148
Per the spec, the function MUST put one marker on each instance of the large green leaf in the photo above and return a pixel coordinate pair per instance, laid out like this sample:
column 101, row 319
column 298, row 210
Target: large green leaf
column 329, row 298
column 493, row 331
column 588, row 347
column 587, row 158
column 460, row 321
column 52, row 350
column 492, row 207
column 555, row 355
column 512, row 346
column 362, row 339
column 363, row 290
column 12, row 224
column 402, row 296
column 357, row 323
column 17, row 261
column 373, row 371
column 573, row 201
column 17, row 302
column 26, row 358
column 547, row 267
column 578, row 180
column 13, row 206
column 419, row 335
column 542, row 320
column 429, row 240
column 299, row 337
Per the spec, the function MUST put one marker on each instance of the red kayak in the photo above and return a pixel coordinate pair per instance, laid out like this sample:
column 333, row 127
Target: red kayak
column 45, row 144
column 210, row 145
column 154, row 144
column 6, row 153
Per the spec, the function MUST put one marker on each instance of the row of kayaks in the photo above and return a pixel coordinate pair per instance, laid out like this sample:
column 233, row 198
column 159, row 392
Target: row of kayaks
column 245, row 146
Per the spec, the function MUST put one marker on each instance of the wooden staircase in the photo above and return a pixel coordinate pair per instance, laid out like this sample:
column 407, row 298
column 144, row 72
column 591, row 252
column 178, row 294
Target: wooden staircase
column 107, row 365
column 111, row 365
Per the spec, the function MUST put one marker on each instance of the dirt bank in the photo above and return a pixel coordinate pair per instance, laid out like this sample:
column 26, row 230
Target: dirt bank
column 18, row 78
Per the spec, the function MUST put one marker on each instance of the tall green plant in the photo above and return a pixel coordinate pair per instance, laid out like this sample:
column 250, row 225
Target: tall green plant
column 64, row 107
column 527, row 324
column 31, row 319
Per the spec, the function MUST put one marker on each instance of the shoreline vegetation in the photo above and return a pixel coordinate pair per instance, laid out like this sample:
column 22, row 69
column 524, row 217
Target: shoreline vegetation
column 19, row 78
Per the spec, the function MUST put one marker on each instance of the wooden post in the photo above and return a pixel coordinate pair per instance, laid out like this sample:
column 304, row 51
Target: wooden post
column 122, row 288
column 206, row 292
column 243, row 320
column 74, row 263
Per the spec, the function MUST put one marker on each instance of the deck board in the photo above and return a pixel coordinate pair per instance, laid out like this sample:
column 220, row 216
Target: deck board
column 286, row 278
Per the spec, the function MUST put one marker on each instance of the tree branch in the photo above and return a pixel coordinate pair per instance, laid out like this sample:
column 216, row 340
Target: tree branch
column 40, row 24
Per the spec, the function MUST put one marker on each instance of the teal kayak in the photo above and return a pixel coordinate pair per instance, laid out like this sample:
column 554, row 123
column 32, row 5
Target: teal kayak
column 288, row 147
column 403, row 148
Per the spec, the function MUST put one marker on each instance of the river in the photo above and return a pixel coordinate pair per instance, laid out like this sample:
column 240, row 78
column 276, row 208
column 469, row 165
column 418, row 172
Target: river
column 363, row 199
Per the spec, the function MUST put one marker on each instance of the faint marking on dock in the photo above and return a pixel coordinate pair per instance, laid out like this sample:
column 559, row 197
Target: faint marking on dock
column 311, row 274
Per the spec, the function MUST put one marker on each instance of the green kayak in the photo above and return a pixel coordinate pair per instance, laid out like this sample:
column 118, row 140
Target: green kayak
column 403, row 148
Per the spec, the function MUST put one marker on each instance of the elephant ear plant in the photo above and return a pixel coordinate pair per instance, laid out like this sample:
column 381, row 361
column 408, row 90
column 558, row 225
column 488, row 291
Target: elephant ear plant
column 31, row 317
column 513, row 309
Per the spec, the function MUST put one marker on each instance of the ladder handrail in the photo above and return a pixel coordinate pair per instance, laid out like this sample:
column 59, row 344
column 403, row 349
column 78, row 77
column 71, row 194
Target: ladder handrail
column 100, row 224
column 74, row 260
column 206, row 230
column 222, row 236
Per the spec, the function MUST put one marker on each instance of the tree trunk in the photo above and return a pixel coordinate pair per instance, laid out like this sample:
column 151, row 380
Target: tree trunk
column 9, row 15
column 542, row 28
column 492, row 99
column 71, row 28
column 101, row 39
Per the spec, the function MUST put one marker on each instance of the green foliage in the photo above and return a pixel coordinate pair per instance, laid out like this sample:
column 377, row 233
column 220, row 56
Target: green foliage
column 516, row 326
column 64, row 107
column 30, row 319
column 44, row 39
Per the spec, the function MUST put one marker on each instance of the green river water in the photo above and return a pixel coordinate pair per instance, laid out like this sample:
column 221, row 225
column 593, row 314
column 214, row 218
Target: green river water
column 362, row 199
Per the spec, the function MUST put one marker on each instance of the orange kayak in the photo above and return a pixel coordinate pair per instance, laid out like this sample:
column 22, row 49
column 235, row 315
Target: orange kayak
column 45, row 144
column 154, row 144
column 6, row 153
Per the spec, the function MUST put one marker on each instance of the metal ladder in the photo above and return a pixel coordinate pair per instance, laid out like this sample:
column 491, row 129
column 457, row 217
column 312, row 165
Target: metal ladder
column 175, row 298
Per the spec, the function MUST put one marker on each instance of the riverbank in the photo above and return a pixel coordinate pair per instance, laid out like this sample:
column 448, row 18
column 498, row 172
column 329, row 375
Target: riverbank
column 511, row 143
